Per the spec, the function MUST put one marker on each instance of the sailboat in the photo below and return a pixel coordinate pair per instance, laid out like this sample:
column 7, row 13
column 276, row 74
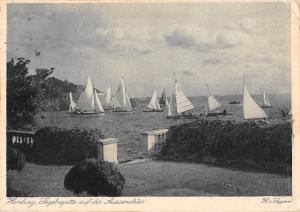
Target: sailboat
column 251, row 110
column 179, row 103
column 266, row 103
column 154, row 104
column 72, row 104
column 106, row 99
column 213, row 105
column 88, row 102
column 167, row 102
column 162, row 100
column 121, row 102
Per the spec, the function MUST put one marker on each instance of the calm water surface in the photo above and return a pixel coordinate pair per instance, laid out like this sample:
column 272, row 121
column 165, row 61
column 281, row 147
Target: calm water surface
column 127, row 127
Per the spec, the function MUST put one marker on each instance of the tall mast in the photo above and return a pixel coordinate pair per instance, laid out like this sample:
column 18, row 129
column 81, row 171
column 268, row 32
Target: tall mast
column 207, row 89
column 243, row 83
column 95, row 93
column 175, row 93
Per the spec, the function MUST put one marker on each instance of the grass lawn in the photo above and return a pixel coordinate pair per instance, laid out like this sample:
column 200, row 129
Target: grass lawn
column 160, row 178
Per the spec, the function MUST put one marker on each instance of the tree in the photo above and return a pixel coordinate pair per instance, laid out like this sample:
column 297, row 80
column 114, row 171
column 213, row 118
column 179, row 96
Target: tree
column 20, row 94
column 23, row 92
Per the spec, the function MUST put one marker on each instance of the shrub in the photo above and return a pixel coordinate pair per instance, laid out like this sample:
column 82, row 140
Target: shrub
column 15, row 159
column 65, row 147
column 95, row 177
column 248, row 144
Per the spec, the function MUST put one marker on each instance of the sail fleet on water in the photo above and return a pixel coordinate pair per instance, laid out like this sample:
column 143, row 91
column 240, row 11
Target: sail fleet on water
column 92, row 102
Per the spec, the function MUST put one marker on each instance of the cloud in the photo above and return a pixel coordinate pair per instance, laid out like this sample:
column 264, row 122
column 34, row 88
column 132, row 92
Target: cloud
column 245, row 24
column 199, row 40
column 108, row 39
column 122, row 41
column 224, row 40
column 187, row 73
column 211, row 61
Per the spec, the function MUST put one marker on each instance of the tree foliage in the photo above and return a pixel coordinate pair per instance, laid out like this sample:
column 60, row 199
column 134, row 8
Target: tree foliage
column 28, row 94
column 20, row 93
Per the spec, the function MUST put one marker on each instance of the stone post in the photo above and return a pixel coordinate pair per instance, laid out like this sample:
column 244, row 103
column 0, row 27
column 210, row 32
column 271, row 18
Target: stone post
column 107, row 150
column 154, row 140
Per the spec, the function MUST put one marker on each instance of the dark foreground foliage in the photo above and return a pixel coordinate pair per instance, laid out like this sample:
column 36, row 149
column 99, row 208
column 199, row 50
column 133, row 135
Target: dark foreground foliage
column 65, row 147
column 95, row 177
column 15, row 159
column 249, row 144
column 28, row 94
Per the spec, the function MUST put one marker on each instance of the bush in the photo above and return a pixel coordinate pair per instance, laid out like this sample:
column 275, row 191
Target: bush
column 95, row 177
column 65, row 147
column 248, row 144
column 15, row 159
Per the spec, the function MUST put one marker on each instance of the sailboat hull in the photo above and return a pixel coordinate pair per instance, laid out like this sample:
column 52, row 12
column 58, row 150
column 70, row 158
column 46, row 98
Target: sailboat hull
column 217, row 114
column 86, row 113
column 152, row 111
column 265, row 106
column 120, row 110
column 191, row 116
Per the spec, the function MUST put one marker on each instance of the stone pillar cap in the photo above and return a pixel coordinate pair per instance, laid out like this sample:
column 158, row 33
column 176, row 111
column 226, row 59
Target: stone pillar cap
column 155, row 132
column 108, row 140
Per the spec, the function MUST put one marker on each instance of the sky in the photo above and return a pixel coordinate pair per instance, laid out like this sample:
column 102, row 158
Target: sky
column 204, row 44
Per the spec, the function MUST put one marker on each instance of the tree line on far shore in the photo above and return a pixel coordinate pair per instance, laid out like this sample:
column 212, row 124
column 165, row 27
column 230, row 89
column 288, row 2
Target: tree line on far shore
column 29, row 94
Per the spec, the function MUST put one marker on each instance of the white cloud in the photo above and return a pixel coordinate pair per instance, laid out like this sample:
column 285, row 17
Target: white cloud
column 148, row 42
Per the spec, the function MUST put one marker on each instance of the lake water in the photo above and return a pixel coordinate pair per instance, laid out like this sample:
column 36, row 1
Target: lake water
column 127, row 127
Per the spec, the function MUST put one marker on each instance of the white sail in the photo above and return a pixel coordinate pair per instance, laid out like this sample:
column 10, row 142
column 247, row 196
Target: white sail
column 86, row 101
column 182, row 102
column 213, row 103
column 250, row 108
column 172, row 106
column 167, row 102
column 72, row 104
column 169, row 109
column 128, row 104
column 154, row 103
column 121, row 98
column 108, row 97
column 266, row 100
column 98, row 105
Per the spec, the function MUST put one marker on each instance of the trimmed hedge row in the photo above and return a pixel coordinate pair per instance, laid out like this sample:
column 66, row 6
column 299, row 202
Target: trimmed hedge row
column 59, row 146
column 249, row 144
column 95, row 177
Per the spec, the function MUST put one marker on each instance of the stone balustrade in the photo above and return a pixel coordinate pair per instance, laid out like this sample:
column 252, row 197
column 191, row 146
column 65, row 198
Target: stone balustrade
column 15, row 137
column 154, row 140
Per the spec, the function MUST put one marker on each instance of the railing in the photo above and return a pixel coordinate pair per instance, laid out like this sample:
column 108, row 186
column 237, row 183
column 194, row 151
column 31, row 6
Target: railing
column 15, row 137
column 107, row 149
column 155, row 140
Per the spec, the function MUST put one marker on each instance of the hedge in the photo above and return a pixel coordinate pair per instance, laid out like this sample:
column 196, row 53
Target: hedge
column 15, row 159
column 248, row 144
column 95, row 177
column 59, row 146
